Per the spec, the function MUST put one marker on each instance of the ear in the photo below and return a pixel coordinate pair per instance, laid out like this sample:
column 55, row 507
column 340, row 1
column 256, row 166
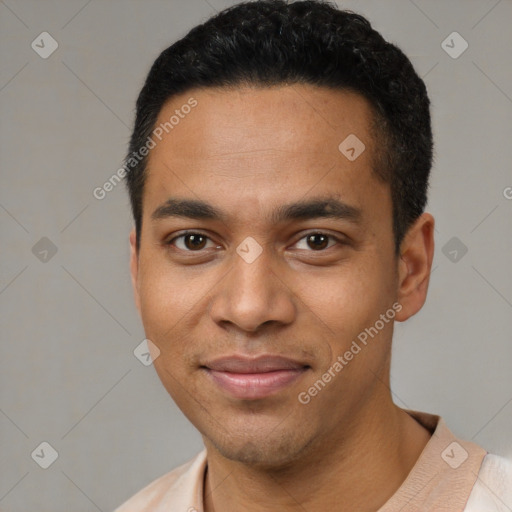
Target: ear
column 414, row 267
column 134, row 267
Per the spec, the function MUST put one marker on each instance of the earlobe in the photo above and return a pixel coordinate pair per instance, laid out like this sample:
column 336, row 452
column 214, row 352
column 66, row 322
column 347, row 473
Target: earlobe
column 134, row 268
column 414, row 267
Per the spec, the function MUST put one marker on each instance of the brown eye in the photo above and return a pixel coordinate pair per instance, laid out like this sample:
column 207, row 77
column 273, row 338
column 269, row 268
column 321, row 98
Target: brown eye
column 192, row 242
column 317, row 241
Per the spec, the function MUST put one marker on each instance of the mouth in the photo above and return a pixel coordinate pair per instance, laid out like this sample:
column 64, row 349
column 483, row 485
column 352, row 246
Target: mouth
column 248, row 378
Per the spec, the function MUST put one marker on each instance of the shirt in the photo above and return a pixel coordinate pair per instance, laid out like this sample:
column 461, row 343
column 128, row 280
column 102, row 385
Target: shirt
column 450, row 475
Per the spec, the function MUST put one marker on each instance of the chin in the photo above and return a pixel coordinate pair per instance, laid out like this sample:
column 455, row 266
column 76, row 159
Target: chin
column 265, row 450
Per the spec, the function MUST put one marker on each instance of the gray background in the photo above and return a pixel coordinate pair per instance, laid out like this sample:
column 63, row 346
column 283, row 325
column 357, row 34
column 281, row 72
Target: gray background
column 68, row 324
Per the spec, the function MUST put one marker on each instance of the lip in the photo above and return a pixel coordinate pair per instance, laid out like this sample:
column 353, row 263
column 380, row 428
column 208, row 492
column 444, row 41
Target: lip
column 254, row 378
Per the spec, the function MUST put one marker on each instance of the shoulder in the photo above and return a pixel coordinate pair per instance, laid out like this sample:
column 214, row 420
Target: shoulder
column 492, row 491
column 178, row 484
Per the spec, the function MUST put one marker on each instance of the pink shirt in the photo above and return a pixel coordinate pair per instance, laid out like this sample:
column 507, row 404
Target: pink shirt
column 450, row 475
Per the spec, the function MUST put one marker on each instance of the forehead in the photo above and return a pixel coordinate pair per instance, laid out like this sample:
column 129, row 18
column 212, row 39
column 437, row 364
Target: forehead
column 297, row 119
column 264, row 142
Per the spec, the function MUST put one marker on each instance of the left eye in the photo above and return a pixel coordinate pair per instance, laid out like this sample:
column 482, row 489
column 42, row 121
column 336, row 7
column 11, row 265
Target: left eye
column 317, row 241
column 191, row 242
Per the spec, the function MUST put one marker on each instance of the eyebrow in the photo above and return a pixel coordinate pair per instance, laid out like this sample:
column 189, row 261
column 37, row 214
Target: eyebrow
column 189, row 208
column 327, row 207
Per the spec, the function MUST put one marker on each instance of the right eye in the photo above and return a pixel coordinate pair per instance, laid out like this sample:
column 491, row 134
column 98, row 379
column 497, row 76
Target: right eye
column 191, row 241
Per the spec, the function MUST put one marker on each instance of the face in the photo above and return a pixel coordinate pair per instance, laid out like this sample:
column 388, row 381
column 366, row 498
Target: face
column 266, row 251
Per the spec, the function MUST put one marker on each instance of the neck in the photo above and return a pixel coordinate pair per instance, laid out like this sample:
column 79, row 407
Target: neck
column 376, row 452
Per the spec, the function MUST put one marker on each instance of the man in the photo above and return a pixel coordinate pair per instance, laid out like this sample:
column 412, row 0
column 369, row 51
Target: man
column 278, row 172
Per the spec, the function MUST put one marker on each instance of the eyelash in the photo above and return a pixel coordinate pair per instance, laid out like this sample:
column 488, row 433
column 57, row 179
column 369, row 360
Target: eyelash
column 186, row 233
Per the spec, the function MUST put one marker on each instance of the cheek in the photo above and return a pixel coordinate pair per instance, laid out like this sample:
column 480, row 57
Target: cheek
column 347, row 306
column 165, row 309
column 173, row 304
column 166, row 295
column 161, row 305
column 158, row 310
column 348, row 299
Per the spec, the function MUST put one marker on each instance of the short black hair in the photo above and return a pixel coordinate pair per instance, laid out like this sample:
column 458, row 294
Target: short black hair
column 274, row 42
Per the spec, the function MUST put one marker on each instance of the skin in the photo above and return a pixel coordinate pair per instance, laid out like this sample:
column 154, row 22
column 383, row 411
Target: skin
column 248, row 151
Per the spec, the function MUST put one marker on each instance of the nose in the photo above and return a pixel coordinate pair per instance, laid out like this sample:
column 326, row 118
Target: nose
column 253, row 294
